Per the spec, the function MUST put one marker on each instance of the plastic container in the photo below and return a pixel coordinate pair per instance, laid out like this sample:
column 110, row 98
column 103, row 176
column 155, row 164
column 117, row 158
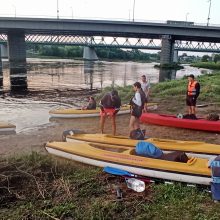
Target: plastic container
column 135, row 184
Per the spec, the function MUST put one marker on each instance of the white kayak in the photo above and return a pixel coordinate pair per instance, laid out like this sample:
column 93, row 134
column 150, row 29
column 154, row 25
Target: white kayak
column 79, row 113
column 5, row 126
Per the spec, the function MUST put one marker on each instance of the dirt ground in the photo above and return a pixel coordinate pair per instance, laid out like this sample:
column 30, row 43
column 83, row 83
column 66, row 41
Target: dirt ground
column 14, row 144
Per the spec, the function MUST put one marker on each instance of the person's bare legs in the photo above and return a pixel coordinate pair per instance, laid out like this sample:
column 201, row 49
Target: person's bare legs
column 189, row 110
column 102, row 123
column 137, row 124
column 193, row 110
column 132, row 123
column 113, row 125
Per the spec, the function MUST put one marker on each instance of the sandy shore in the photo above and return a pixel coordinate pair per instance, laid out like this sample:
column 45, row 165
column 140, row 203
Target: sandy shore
column 15, row 144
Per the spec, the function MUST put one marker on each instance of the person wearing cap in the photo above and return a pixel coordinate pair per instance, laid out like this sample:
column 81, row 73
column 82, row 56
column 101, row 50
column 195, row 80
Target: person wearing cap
column 193, row 90
column 145, row 85
column 109, row 106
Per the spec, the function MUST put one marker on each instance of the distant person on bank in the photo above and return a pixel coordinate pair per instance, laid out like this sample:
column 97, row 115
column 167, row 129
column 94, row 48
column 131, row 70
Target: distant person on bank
column 145, row 85
column 109, row 106
column 137, row 105
column 193, row 90
column 91, row 104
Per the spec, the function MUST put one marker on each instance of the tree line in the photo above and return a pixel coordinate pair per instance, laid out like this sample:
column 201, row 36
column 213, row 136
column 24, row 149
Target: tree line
column 102, row 53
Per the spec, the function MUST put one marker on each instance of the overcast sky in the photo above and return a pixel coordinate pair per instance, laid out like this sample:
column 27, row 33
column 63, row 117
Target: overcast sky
column 152, row 10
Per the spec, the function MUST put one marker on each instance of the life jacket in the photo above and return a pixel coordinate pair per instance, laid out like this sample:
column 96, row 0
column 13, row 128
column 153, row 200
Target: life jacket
column 192, row 88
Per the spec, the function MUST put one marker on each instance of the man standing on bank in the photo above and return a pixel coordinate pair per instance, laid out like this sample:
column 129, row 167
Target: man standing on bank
column 145, row 85
column 109, row 106
column 193, row 91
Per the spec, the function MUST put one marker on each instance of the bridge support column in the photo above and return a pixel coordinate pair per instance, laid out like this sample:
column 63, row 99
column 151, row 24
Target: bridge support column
column 167, row 50
column 4, row 50
column 17, row 52
column 89, row 53
column 0, row 62
column 175, row 56
column 17, row 61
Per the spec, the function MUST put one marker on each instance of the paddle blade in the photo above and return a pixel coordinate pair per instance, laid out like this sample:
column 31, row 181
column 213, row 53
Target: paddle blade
column 116, row 171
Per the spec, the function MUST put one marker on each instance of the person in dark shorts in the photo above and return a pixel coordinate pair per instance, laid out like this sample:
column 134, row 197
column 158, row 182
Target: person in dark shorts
column 109, row 106
column 91, row 104
column 193, row 90
column 137, row 105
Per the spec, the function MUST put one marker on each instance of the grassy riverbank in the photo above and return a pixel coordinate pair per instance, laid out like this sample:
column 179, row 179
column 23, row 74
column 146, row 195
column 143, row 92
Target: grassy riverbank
column 36, row 186
column 41, row 187
column 175, row 90
column 207, row 65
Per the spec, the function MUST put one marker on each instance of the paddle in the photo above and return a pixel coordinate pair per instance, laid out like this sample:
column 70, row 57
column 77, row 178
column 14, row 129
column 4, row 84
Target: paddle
column 119, row 172
column 124, row 173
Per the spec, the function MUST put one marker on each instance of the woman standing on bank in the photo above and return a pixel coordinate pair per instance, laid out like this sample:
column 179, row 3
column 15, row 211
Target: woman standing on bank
column 137, row 105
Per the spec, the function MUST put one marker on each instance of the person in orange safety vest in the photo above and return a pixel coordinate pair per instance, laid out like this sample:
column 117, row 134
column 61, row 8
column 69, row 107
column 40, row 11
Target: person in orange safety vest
column 193, row 90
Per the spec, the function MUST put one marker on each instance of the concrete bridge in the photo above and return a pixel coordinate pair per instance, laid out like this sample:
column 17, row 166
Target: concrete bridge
column 17, row 28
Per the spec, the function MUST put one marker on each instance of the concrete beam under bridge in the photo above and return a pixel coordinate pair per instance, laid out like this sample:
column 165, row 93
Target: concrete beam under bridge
column 17, row 52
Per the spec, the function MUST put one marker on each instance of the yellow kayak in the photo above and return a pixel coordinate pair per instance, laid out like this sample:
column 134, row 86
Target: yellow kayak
column 5, row 126
column 201, row 149
column 195, row 170
column 79, row 113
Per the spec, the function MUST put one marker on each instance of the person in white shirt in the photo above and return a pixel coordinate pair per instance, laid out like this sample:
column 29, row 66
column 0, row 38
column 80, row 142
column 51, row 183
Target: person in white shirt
column 145, row 85
column 137, row 105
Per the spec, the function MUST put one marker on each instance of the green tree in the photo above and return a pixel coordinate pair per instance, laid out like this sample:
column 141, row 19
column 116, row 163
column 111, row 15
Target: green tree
column 206, row 58
column 216, row 58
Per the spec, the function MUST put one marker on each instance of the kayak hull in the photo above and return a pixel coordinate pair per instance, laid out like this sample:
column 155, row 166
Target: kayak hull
column 173, row 121
column 198, row 148
column 5, row 127
column 78, row 113
column 195, row 172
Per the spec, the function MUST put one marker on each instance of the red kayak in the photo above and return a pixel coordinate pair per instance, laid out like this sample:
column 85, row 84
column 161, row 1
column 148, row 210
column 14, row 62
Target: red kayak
column 173, row 121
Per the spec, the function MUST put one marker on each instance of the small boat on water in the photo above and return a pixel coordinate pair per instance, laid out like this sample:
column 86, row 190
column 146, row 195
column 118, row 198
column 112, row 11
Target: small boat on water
column 79, row 113
column 173, row 121
column 194, row 171
column 195, row 148
column 7, row 127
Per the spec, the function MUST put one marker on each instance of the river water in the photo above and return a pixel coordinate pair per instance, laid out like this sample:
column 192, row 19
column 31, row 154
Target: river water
column 29, row 112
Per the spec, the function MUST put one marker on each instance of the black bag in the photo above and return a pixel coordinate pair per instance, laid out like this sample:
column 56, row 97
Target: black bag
column 177, row 156
column 190, row 116
column 212, row 117
column 137, row 134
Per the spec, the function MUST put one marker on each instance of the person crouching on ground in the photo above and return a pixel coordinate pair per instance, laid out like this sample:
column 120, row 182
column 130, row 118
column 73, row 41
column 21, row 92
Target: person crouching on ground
column 109, row 106
column 137, row 105
column 193, row 90
column 91, row 104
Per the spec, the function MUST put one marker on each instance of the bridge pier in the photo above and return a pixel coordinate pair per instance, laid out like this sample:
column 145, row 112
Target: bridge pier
column 89, row 53
column 167, row 50
column 0, row 62
column 175, row 56
column 17, row 61
column 4, row 50
column 17, row 52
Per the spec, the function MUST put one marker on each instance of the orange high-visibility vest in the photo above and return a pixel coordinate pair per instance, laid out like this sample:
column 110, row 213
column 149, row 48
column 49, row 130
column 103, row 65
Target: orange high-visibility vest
column 192, row 88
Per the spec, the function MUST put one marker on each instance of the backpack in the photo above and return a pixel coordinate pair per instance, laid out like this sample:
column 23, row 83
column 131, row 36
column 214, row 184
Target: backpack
column 212, row 117
column 148, row 149
column 137, row 134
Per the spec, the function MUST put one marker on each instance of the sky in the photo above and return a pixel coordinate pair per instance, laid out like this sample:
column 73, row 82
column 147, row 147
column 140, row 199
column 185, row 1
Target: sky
column 144, row 10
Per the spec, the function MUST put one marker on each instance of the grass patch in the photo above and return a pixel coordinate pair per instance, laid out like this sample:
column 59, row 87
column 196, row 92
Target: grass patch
column 38, row 186
column 175, row 90
column 207, row 65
